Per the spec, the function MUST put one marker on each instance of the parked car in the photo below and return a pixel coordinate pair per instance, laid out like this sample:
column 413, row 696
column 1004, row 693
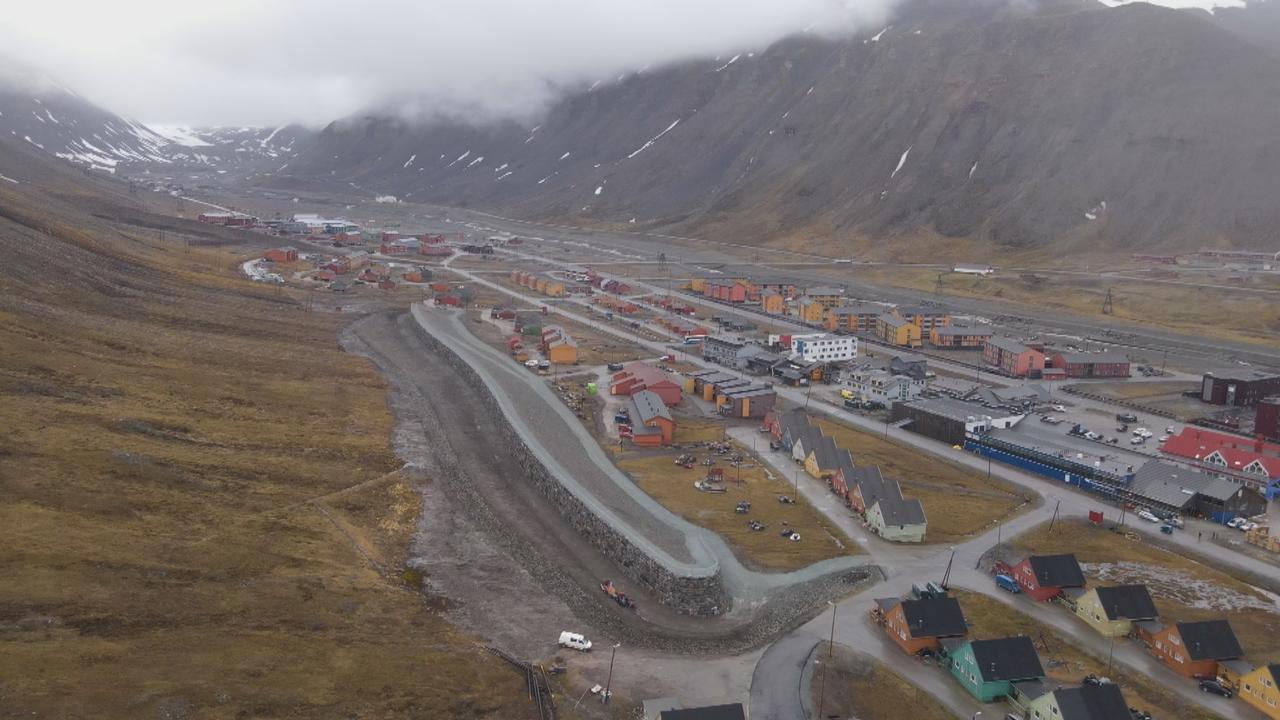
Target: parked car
column 1004, row 582
column 1236, row 522
column 1059, row 408
column 1051, row 420
column 1092, row 435
column 1127, row 417
column 1170, row 430
column 1214, row 687
column 615, row 367
column 1175, row 521
column 1148, row 516
column 574, row 641
column 1246, row 526
column 1137, row 440
column 1143, row 432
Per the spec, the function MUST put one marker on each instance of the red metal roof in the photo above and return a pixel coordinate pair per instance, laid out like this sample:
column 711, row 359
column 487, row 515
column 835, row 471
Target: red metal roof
column 1237, row 453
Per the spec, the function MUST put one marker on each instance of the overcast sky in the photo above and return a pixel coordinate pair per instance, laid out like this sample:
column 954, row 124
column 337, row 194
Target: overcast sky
column 268, row 62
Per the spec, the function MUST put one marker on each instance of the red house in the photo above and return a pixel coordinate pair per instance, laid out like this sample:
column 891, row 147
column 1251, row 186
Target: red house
column 1044, row 577
column 435, row 251
column 390, row 236
column 448, row 300
column 1194, row 649
column 281, row 255
column 440, row 287
column 1091, row 365
column 639, row 376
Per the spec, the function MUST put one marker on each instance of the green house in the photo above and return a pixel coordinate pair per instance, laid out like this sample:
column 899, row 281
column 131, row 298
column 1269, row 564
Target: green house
column 988, row 668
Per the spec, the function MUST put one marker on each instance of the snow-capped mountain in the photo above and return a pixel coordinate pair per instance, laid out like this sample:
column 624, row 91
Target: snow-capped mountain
column 234, row 148
column 60, row 122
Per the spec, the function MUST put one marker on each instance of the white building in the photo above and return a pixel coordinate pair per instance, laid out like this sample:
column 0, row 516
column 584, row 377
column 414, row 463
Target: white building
column 824, row 347
column 884, row 387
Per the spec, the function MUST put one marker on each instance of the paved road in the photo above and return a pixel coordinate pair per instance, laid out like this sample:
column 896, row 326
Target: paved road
column 852, row 627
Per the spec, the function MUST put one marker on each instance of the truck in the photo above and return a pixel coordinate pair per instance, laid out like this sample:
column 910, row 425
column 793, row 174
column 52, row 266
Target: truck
column 574, row 641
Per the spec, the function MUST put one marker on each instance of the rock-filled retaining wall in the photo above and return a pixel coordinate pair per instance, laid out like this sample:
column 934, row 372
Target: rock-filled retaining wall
column 701, row 594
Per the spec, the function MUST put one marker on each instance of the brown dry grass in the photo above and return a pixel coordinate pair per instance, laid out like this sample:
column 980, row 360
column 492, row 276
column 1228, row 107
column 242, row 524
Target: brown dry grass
column 672, row 486
column 1065, row 663
column 859, row 687
column 1212, row 312
column 1256, row 628
column 176, row 533
column 957, row 501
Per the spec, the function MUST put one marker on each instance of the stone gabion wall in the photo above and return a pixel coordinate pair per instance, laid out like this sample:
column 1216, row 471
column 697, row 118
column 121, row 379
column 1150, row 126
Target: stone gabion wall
column 688, row 594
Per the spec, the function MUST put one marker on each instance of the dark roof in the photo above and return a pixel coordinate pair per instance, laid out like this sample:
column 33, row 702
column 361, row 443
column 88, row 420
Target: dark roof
column 827, row 453
column 1092, row 702
column 710, row 712
column 649, row 405
column 1210, row 640
column 1057, row 570
column 873, row 485
column 901, row 511
column 1011, row 658
column 934, row 617
column 962, row 330
column 1008, row 345
column 1076, row 358
column 1127, row 602
column 1175, row 487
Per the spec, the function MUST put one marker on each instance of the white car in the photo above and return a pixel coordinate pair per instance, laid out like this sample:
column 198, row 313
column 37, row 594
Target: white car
column 1148, row 516
column 1165, row 438
column 1246, row 526
column 1170, row 430
column 1143, row 433
column 1060, row 408
column 574, row 641
column 1137, row 440
column 1236, row 522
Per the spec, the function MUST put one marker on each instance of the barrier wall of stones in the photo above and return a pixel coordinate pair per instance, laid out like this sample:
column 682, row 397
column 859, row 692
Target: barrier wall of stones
column 701, row 594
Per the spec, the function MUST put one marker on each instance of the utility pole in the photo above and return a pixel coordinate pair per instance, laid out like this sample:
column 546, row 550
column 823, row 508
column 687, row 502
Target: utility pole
column 609, row 682
column 831, row 648
column 1107, row 307
column 1054, row 519
column 946, row 575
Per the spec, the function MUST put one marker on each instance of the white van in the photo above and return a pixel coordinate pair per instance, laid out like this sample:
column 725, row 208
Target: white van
column 574, row 641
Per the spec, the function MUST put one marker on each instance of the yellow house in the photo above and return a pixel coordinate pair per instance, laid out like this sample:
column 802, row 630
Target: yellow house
column 1258, row 688
column 808, row 310
column 773, row 303
column 1112, row 611
column 898, row 331
column 562, row 351
column 697, row 284
column 823, row 459
column 555, row 288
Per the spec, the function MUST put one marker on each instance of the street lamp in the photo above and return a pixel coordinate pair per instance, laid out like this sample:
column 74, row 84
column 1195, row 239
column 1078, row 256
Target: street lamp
column 609, row 682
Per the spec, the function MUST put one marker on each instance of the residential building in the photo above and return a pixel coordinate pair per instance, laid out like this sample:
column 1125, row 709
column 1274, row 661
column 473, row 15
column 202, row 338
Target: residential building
column 823, row 459
column 637, row 376
column 281, row 255
column 959, row 337
column 1091, row 365
column 825, row 347
column 1086, row 702
column 853, row 317
column 1044, row 577
column 896, row 330
column 826, row 296
column 883, row 387
column 924, row 317
column 1261, row 689
column 786, row 427
column 754, row 401
column 773, row 303
column 897, row 519
column 1184, row 491
column 989, row 668
column 1194, row 649
column 808, row 310
column 729, row 351
column 919, row 625
column 559, row 348
column 1240, row 388
column 1013, row 357
column 1113, row 610
column 651, row 421
column 913, row 366
column 869, row 487
column 806, row 443
column 393, row 244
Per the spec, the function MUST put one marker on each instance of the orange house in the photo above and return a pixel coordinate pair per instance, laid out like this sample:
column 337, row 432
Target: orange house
column 773, row 303
column 1194, row 649
column 281, row 255
column 652, row 424
column 918, row 625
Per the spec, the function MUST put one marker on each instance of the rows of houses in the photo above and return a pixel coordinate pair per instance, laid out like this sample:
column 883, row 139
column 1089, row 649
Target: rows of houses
column 863, row 488
column 539, row 283
column 732, row 395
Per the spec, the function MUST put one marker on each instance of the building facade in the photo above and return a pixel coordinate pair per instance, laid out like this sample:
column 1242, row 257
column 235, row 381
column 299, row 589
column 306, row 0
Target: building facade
column 825, row 347
column 1091, row 365
column 1013, row 357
